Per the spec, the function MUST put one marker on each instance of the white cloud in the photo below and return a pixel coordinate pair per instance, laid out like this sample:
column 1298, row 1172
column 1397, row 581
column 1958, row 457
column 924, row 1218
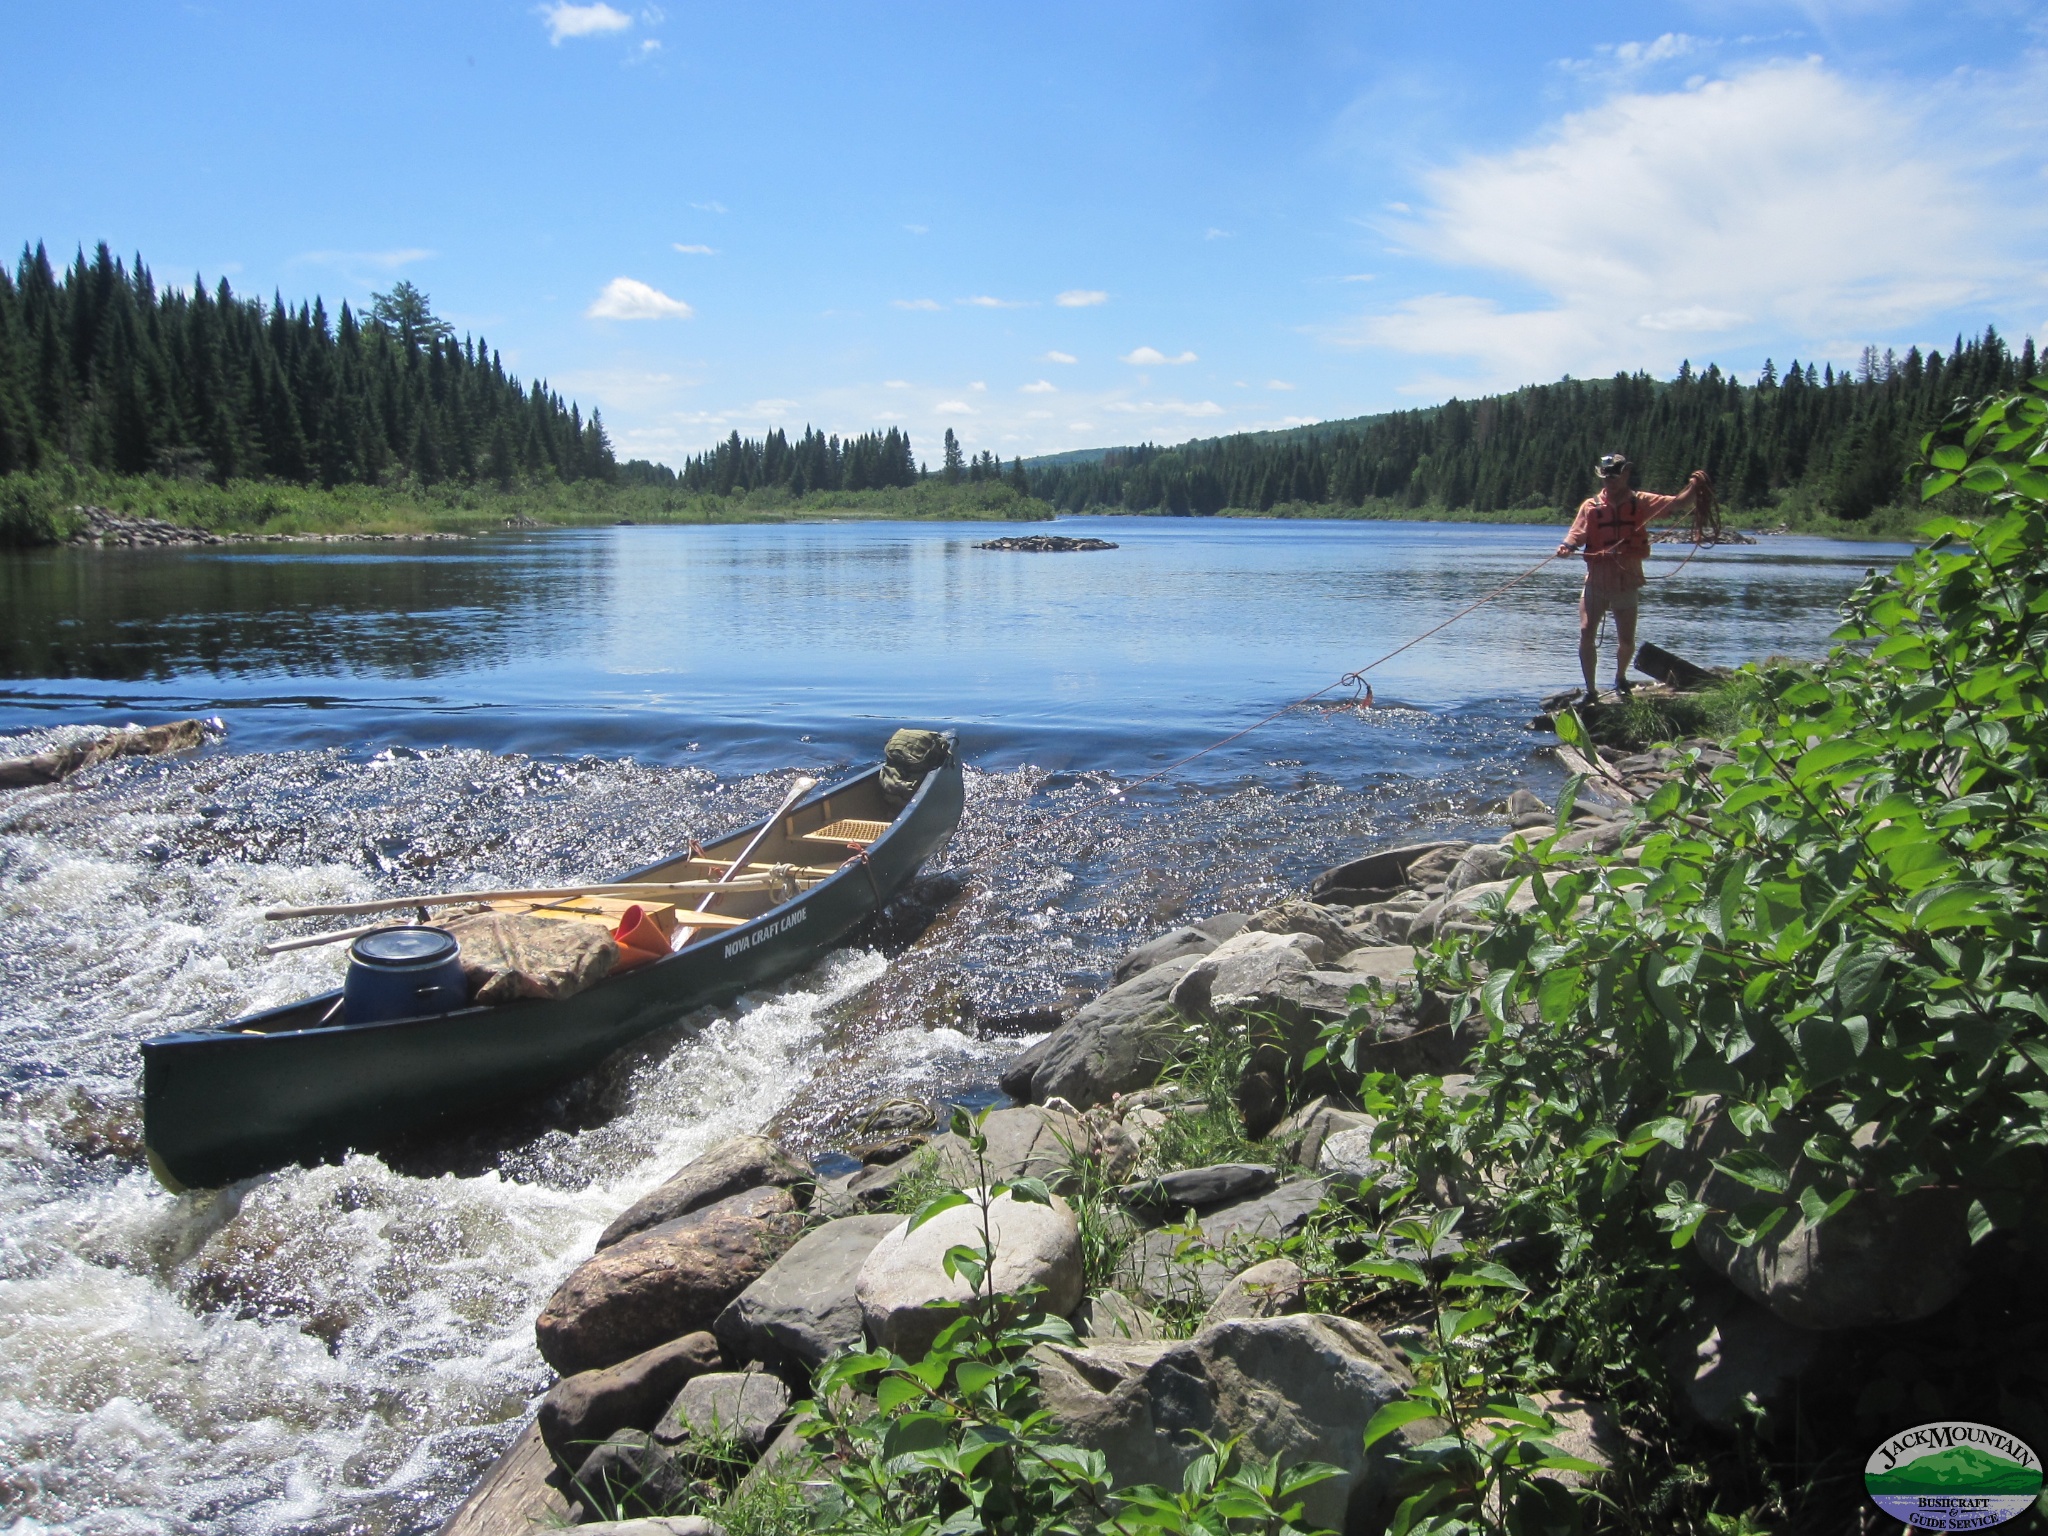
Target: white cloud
column 983, row 301
column 895, row 383
column 696, row 250
column 1060, row 357
column 626, row 298
column 565, row 20
column 1212, row 233
column 919, row 229
column 1081, row 298
column 1042, row 387
column 711, row 207
column 1152, row 357
column 1038, row 415
column 1278, row 384
column 1165, row 407
column 953, row 408
column 916, row 304
column 979, row 387
column 1080, row 426
column 1784, row 204
column 383, row 261
column 1356, row 277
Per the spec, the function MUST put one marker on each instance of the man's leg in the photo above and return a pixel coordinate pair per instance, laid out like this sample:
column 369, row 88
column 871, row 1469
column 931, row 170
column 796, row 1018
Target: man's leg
column 1625, row 636
column 1590, row 610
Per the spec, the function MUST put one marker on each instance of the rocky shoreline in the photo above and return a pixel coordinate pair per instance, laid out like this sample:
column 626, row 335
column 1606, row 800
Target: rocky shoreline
column 709, row 1303
column 1045, row 544
column 106, row 529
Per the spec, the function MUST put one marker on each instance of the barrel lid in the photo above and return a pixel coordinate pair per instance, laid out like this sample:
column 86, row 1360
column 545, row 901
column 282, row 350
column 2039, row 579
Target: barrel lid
column 404, row 946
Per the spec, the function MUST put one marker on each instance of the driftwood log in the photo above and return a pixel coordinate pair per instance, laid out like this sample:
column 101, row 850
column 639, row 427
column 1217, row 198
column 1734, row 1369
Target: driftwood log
column 62, row 762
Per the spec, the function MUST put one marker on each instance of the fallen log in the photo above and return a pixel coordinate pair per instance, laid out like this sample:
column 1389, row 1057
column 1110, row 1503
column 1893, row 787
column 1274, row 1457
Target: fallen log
column 62, row 762
column 1668, row 667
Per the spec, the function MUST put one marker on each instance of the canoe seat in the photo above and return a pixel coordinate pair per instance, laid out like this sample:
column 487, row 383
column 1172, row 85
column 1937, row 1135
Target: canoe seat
column 848, row 829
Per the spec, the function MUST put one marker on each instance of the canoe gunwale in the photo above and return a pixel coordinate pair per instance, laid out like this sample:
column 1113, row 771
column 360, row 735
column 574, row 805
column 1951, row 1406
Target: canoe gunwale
column 230, row 1100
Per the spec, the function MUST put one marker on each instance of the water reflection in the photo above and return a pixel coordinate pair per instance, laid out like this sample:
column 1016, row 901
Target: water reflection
column 748, row 639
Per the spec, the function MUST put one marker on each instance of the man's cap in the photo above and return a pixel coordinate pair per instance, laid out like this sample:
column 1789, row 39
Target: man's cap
column 1611, row 464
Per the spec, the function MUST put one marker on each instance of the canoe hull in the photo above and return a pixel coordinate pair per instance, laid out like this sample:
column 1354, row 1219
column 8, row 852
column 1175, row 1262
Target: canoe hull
column 225, row 1104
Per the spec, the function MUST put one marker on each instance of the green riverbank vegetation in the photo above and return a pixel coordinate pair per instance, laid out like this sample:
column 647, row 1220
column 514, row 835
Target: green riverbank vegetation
column 1805, row 1003
column 221, row 412
column 1810, row 449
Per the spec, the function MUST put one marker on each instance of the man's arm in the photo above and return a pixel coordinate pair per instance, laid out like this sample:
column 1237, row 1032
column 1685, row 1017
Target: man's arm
column 1682, row 502
column 1577, row 535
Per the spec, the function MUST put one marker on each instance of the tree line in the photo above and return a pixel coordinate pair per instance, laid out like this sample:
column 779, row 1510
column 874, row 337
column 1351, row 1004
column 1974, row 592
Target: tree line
column 814, row 462
column 1842, row 441
column 101, row 368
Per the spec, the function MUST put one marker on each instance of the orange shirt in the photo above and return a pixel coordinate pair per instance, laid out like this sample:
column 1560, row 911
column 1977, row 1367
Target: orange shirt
column 1609, row 531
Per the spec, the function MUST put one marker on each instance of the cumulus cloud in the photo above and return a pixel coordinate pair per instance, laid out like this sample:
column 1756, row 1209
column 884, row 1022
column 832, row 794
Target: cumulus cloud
column 1080, row 298
column 711, row 207
column 1042, row 387
column 919, row 229
column 1152, row 357
column 953, row 408
column 1060, row 357
column 696, row 250
column 1278, row 384
column 626, row 298
column 895, row 383
column 1784, row 203
column 983, row 301
column 565, row 20
column 1213, row 233
column 916, row 304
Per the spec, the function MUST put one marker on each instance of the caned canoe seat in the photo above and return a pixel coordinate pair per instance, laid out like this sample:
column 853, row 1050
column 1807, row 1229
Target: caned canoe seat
column 848, row 829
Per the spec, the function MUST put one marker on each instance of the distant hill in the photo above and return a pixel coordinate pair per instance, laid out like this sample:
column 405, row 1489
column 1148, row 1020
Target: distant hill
column 1959, row 1468
column 1836, row 443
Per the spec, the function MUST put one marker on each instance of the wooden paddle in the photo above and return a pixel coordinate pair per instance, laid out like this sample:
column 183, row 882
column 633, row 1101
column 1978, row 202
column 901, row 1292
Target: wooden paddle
column 797, row 791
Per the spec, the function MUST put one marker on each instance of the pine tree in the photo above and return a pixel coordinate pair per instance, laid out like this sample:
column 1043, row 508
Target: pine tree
column 951, row 473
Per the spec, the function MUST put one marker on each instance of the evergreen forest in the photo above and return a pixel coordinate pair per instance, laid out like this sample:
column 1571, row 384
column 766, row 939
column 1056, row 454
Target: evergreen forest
column 1807, row 440
column 102, row 369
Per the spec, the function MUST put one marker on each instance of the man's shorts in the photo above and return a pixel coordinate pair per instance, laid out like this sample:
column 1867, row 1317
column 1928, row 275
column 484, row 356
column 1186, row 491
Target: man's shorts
column 1611, row 583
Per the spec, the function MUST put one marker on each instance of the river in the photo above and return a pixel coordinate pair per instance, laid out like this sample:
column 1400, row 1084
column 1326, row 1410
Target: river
column 343, row 1349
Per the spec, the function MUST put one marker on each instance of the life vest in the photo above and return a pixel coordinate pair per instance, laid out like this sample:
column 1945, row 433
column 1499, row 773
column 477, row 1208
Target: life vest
column 1615, row 531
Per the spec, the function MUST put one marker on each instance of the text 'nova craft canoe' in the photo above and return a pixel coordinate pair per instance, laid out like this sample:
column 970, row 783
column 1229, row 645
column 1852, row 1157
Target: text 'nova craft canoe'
column 284, row 1086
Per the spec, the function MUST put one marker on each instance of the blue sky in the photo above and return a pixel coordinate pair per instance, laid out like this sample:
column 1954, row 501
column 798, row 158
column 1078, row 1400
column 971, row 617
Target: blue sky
column 1058, row 226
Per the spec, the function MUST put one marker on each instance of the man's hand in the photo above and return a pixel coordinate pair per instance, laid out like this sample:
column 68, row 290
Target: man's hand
column 1567, row 549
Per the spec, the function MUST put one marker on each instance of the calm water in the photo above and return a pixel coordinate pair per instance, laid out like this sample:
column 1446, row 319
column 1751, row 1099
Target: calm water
column 342, row 1349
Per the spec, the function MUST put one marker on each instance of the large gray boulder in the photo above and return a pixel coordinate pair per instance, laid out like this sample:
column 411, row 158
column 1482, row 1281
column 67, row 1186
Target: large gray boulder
column 803, row 1309
column 1154, row 1267
column 1301, row 1387
column 731, row 1167
column 665, row 1282
column 1301, row 1135
column 1390, row 963
column 1113, row 1316
column 742, row 1408
column 1881, row 1259
column 633, row 1474
column 591, row 1406
column 1298, row 916
column 1272, row 1289
column 1734, row 1357
column 1261, row 972
column 1173, row 944
column 1199, row 1188
column 1035, row 1245
column 1117, row 1043
column 1376, row 876
column 1030, row 1141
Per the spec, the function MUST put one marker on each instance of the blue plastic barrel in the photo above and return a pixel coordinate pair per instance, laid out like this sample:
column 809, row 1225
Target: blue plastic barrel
column 401, row 973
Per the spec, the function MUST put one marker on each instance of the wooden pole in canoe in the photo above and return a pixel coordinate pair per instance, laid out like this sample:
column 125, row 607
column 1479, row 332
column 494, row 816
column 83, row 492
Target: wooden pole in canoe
column 797, row 791
column 636, row 891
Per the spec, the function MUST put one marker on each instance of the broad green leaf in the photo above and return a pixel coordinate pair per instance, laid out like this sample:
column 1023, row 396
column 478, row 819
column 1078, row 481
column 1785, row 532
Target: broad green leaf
column 1396, row 1415
column 1751, row 1167
column 936, row 1205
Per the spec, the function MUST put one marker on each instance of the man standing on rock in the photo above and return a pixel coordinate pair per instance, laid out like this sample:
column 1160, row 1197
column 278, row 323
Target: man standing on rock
column 1610, row 529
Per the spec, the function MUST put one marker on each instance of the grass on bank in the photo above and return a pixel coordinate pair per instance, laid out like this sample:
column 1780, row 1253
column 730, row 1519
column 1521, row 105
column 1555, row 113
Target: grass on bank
column 36, row 509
